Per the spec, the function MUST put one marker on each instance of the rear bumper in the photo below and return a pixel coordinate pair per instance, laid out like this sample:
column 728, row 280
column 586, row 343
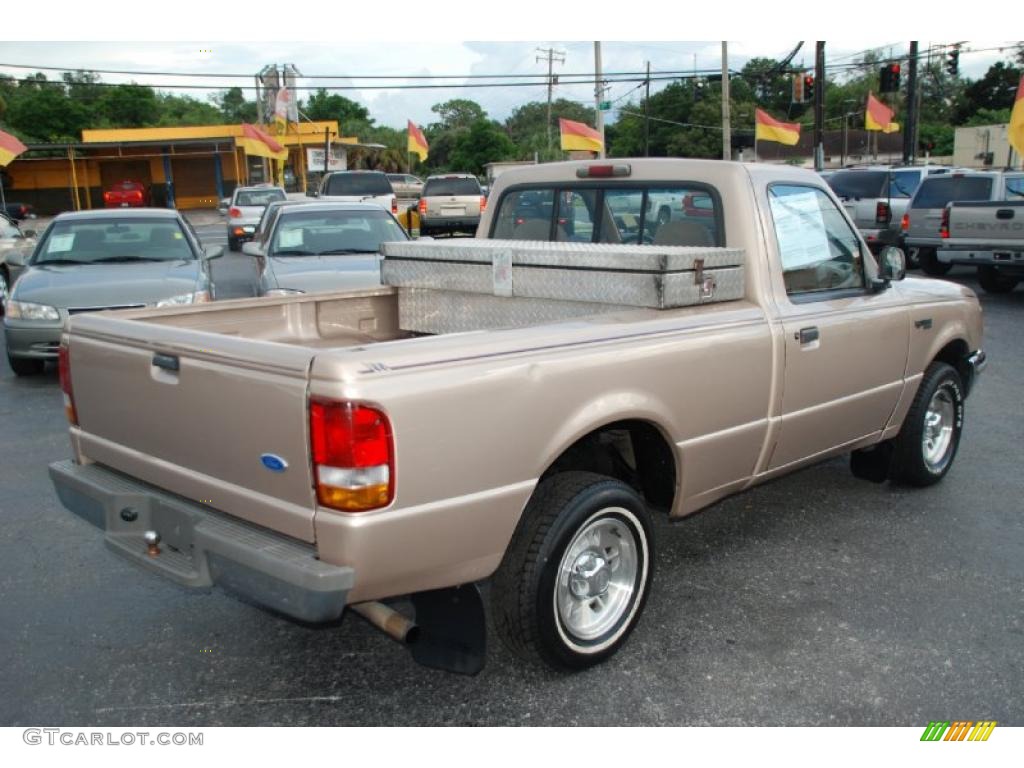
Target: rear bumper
column 40, row 343
column 909, row 241
column 201, row 547
column 450, row 223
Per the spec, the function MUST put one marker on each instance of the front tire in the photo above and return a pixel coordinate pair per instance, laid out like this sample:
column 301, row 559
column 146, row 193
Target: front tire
column 577, row 573
column 927, row 443
column 993, row 281
column 930, row 263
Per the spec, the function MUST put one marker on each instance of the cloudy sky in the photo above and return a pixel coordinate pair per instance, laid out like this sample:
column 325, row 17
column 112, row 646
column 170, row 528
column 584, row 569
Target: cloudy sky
column 353, row 58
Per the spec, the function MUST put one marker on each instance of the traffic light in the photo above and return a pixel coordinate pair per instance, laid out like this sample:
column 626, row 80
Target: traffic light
column 889, row 78
column 798, row 89
column 953, row 62
column 808, row 87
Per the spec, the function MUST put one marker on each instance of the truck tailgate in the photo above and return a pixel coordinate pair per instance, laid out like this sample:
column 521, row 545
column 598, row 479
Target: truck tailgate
column 996, row 224
column 214, row 418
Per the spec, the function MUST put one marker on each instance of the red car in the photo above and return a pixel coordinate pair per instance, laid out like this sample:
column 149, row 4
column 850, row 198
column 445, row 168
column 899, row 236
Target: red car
column 127, row 194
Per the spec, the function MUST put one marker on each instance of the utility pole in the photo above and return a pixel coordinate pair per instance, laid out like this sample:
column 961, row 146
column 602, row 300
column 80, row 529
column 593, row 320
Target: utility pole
column 552, row 56
column 726, row 127
column 598, row 95
column 910, row 129
column 819, row 106
column 647, row 113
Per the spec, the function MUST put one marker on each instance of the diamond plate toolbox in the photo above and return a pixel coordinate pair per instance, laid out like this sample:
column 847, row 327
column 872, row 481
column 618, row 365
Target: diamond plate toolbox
column 652, row 276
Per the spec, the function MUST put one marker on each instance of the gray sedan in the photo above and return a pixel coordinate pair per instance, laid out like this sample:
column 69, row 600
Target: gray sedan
column 323, row 247
column 96, row 260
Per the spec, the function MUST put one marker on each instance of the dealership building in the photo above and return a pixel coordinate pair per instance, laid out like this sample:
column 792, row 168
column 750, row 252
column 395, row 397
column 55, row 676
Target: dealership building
column 184, row 167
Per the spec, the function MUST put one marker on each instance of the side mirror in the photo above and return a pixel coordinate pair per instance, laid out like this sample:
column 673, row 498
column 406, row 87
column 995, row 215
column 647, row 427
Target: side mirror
column 28, row 232
column 892, row 264
column 213, row 251
column 16, row 257
column 252, row 249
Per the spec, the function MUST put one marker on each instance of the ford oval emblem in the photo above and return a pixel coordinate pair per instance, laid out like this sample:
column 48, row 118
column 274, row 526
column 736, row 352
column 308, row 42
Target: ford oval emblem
column 274, row 463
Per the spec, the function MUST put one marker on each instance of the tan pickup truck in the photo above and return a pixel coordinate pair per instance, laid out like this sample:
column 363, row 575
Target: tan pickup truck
column 319, row 452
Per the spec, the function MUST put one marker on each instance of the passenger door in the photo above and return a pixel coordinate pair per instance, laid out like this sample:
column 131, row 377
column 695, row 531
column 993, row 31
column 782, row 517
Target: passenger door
column 845, row 347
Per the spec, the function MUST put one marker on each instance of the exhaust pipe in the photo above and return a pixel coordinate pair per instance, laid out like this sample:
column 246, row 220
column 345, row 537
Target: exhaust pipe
column 388, row 620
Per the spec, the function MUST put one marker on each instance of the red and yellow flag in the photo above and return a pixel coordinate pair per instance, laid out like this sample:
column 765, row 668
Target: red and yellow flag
column 579, row 136
column 260, row 143
column 10, row 148
column 1016, row 121
column 878, row 117
column 417, row 141
column 767, row 128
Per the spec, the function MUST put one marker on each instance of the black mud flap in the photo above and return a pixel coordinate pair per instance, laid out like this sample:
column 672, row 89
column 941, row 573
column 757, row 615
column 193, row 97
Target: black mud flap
column 872, row 464
column 452, row 631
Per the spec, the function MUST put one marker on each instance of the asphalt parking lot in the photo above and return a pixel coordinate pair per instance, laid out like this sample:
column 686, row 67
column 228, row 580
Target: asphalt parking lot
column 817, row 599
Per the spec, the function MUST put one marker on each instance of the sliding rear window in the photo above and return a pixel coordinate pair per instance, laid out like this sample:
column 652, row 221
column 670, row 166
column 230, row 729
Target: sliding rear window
column 669, row 213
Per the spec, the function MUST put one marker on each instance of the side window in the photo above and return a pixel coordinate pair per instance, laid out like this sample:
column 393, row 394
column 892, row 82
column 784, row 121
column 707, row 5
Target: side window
column 525, row 214
column 819, row 251
column 575, row 216
column 1015, row 188
column 622, row 215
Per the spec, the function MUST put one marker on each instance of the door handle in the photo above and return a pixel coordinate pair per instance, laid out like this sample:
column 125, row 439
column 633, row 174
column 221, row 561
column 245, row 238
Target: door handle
column 167, row 362
column 1004, row 213
column 807, row 335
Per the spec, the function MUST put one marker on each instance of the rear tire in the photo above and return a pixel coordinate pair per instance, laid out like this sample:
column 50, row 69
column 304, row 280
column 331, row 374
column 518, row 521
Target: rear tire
column 924, row 449
column 5, row 290
column 574, row 580
column 233, row 244
column 930, row 263
column 993, row 281
column 26, row 366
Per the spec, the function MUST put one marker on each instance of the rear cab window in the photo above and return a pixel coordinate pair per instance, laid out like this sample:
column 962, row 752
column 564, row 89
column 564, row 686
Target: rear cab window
column 454, row 187
column 855, row 185
column 261, row 197
column 937, row 191
column 358, row 184
column 659, row 213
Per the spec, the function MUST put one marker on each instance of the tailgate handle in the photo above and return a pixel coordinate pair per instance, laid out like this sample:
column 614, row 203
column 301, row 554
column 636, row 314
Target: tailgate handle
column 167, row 362
column 1004, row 213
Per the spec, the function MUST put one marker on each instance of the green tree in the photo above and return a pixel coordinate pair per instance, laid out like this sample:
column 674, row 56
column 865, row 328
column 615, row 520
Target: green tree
column 483, row 142
column 234, row 107
column 457, row 114
column 184, row 110
column 997, row 89
column 332, row 106
column 130, row 106
column 527, row 126
column 43, row 112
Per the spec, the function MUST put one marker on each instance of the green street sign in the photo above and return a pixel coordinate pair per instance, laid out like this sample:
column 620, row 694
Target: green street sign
column 604, row 106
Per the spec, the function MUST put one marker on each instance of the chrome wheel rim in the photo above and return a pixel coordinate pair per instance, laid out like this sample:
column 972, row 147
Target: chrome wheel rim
column 598, row 579
column 3, row 291
column 937, row 437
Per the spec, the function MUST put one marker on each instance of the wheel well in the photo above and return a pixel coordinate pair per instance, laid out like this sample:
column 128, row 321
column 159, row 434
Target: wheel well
column 635, row 452
column 955, row 354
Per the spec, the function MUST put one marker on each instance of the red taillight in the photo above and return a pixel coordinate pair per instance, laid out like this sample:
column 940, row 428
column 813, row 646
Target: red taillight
column 944, row 224
column 107, row 197
column 64, row 366
column 423, row 206
column 353, row 455
column 882, row 212
column 137, row 195
column 905, row 222
column 234, row 213
column 394, row 206
column 483, row 203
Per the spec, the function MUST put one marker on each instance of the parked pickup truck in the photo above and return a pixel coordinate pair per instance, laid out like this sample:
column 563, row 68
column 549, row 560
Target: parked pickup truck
column 989, row 235
column 358, row 187
column 313, row 454
column 924, row 222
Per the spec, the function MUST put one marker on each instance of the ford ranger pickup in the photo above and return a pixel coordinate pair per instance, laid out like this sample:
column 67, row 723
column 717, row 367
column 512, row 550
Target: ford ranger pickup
column 314, row 454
